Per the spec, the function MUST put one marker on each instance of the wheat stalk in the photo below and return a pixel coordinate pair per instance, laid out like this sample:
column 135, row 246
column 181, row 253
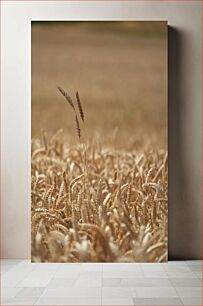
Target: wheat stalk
column 80, row 107
column 67, row 97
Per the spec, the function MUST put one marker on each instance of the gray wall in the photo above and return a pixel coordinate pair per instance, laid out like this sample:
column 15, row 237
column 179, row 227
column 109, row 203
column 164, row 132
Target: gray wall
column 185, row 59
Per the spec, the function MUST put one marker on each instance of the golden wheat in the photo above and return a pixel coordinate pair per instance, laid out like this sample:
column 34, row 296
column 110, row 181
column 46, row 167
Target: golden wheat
column 118, row 214
column 97, row 205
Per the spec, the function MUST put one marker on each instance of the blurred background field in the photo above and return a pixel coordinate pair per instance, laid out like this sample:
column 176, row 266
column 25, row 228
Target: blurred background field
column 120, row 71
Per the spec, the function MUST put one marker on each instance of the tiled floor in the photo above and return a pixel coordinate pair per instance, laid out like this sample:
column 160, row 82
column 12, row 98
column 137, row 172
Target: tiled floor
column 174, row 283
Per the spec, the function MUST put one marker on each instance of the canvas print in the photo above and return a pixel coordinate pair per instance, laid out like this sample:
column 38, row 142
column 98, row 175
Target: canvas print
column 99, row 156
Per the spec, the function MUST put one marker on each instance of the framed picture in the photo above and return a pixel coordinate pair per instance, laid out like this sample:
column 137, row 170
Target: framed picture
column 99, row 166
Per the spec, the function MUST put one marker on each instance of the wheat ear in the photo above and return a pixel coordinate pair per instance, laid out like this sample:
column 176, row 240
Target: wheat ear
column 77, row 126
column 80, row 107
column 67, row 97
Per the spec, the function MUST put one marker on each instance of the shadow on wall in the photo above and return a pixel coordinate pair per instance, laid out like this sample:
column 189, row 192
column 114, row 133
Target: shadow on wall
column 184, row 230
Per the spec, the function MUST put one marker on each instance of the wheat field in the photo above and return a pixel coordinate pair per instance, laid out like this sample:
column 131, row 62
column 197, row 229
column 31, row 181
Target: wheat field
column 99, row 156
column 92, row 204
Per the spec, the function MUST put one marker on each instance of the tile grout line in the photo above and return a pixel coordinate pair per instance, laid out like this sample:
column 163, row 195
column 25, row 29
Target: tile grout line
column 102, row 284
column 168, row 277
column 180, row 298
column 24, row 276
column 46, row 286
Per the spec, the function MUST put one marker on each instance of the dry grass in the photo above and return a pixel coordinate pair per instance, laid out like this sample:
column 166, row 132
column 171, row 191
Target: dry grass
column 94, row 204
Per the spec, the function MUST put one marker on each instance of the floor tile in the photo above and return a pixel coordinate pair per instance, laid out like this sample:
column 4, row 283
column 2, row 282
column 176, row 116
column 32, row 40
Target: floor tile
column 198, row 274
column 116, row 292
column 146, row 282
column 177, row 268
column 179, row 274
column 67, row 273
column 70, row 267
column 157, row 301
column 153, row 267
column 16, row 275
column 117, row 301
column 9, row 292
column 193, row 262
column 72, row 292
column 35, row 281
column 30, row 292
column 22, row 301
column 88, row 282
column 176, row 263
column 89, row 275
column 155, row 274
column 122, row 274
column 112, row 282
column 61, row 282
column 189, row 291
column 196, row 268
column 6, row 268
column 48, row 267
column 185, row 282
column 91, row 267
column 192, row 301
column 153, row 292
column 69, row 301
column 122, row 267
column 11, row 261
column 4, row 301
